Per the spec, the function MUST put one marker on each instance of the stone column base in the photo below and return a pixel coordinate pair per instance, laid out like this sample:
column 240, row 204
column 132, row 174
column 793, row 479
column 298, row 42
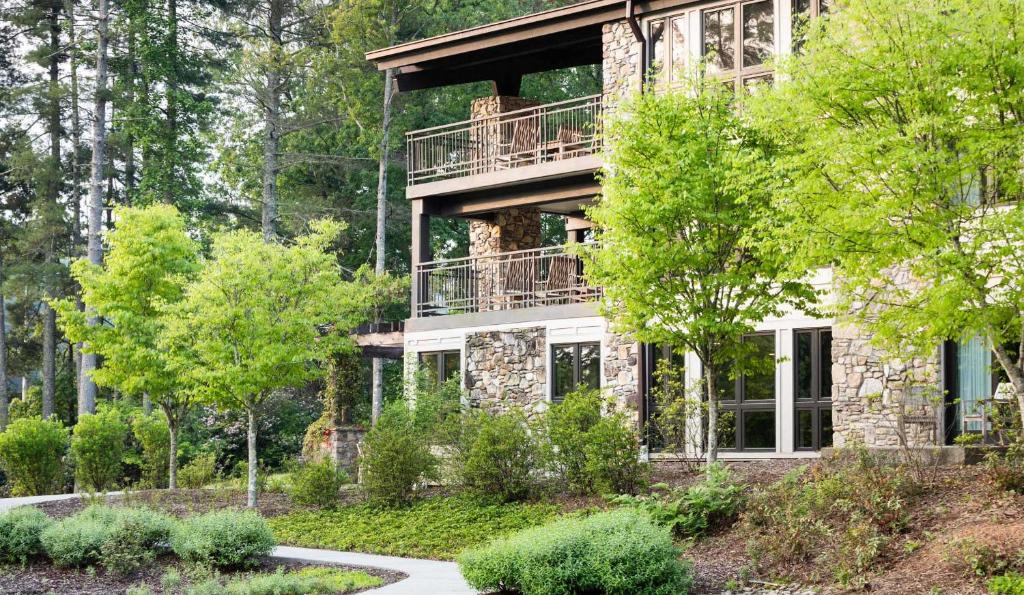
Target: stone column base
column 346, row 441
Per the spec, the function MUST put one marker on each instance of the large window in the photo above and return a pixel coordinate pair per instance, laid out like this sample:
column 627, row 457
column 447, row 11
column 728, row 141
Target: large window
column 666, row 48
column 440, row 365
column 737, row 40
column 664, row 378
column 802, row 13
column 574, row 365
column 812, row 364
column 746, row 418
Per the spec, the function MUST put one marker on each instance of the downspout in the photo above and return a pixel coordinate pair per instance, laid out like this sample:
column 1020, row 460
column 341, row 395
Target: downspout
column 638, row 33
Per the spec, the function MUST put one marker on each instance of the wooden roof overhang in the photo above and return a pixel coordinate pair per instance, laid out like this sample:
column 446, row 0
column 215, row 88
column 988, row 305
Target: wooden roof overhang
column 504, row 51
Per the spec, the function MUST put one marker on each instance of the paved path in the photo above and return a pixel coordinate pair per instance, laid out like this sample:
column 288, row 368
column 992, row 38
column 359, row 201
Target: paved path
column 426, row 577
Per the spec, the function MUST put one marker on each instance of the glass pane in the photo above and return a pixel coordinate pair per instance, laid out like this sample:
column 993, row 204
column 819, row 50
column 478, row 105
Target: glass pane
column 801, row 17
column 726, row 386
column 656, row 39
column 758, row 32
column 824, row 7
column 451, row 364
column 678, row 48
column 720, row 39
column 805, row 428
column 759, row 429
column 974, row 369
column 726, row 429
column 826, row 427
column 803, row 363
column 825, row 363
column 431, row 363
column 562, row 381
column 754, row 84
column 760, row 384
column 590, row 365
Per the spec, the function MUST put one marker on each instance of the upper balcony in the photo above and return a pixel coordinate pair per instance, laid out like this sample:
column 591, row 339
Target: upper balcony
column 506, row 148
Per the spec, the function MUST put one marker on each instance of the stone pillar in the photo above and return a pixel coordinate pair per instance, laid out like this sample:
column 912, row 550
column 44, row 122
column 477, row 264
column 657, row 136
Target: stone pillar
column 620, row 62
column 345, row 444
column 492, row 138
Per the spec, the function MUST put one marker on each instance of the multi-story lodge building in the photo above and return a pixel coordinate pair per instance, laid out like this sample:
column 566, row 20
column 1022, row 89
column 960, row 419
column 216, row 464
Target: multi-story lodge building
column 516, row 320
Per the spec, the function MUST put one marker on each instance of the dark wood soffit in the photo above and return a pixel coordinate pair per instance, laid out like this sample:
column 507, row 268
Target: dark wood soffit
column 509, row 40
column 583, row 188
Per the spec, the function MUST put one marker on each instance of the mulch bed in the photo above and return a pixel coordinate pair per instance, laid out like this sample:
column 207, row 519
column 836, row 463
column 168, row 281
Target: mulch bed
column 180, row 503
column 42, row 578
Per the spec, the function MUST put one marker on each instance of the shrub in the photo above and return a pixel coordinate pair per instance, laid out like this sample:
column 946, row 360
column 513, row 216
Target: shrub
column 78, row 540
column 30, row 452
column 200, row 471
column 136, row 539
column 97, row 446
column 437, row 527
column 20, row 531
column 615, row 552
column 395, row 458
column 840, row 515
column 1007, row 584
column 567, row 424
column 613, row 456
column 1007, row 472
column 154, row 438
column 224, row 539
column 317, row 483
column 696, row 510
column 496, row 456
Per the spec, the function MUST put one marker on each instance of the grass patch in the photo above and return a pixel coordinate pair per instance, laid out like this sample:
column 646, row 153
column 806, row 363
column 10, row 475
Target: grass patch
column 438, row 527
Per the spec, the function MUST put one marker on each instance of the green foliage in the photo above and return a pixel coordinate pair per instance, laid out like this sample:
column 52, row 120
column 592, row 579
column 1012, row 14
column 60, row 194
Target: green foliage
column 903, row 153
column 613, row 456
column 842, row 514
column 496, row 456
column 697, row 510
column 1006, row 471
column 1007, row 584
column 566, row 427
column 20, row 531
column 317, row 483
column 312, row 581
column 436, row 527
column 686, row 251
column 616, row 552
column 395, row 458
column 32, row 452
column 199, row 472
column 137, row 538
column 77, row 541
column 154, row 439
column 224, row 539
column 97, row 447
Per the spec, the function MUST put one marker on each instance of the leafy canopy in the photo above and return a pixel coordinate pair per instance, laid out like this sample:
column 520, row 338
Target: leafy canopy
column 902, row 122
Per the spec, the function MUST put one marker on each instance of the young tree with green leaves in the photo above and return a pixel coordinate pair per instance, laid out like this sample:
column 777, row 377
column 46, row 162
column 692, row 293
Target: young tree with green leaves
column 255, row 321
column 151, row 258
column 903, row 126
column 684, row 226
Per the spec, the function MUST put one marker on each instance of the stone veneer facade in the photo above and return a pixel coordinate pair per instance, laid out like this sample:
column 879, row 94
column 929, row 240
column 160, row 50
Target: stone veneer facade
column 507, row 368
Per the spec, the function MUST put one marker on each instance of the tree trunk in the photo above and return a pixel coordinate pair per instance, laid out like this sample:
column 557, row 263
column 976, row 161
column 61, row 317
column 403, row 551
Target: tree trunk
column 49, row 358
column 710, row 381
column 99, row 155
column 251, row 485
column 76, row 176
column 129, row 147
column 171, row 97
column 4, row 397
column 272, row 115
column 381, row 237
column 48, row 315
column 172, row 462
column 1013, row 372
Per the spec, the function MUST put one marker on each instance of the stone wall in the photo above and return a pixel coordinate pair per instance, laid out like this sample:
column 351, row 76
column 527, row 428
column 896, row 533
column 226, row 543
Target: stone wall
column 621, row 371
column 878, row 397
column 514, row 228
column 620, row 63
column 507, row 368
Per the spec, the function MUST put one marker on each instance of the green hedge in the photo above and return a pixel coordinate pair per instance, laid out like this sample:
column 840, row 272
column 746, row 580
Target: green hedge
column 224, row 539
column 20, row 532
column 617, row 552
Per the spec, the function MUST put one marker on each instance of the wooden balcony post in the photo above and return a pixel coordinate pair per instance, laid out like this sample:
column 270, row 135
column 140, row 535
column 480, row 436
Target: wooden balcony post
column 420, row 251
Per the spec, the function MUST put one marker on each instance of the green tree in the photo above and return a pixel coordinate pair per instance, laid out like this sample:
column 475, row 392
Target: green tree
column 97, row 447
column 903, row 124
column 150, row 260
column 254, row 322
column 684, row 226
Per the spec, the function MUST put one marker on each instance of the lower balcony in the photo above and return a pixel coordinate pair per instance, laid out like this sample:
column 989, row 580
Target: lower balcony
column 506, row 281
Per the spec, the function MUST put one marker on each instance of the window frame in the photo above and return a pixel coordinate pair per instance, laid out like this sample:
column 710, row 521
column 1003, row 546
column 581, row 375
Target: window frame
column 576, row 366
column 814, row 11
column 652, row 355
column 817, row 402
column 442, row 356
column 741, row 406
column 739, row 76
column 666, row 73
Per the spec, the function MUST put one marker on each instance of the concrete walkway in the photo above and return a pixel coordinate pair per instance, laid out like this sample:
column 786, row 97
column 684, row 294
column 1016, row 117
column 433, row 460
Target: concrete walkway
column 425, row 577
